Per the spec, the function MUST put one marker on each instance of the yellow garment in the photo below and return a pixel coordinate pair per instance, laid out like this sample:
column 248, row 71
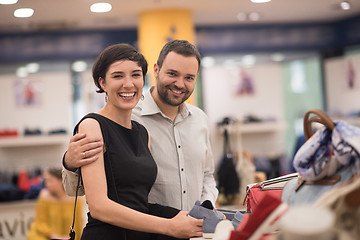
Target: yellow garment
column 56, row 217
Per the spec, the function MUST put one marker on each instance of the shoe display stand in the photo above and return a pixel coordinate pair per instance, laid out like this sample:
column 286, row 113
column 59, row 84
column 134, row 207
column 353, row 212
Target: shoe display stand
column 247, row 136
column 41, row 140
column 259, row 139
column 32, row 151
column 26, row 152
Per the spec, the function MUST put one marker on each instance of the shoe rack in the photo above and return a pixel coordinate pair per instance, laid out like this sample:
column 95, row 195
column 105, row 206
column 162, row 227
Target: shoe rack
column 259, row 138
column 32, row 151
column 41, row 140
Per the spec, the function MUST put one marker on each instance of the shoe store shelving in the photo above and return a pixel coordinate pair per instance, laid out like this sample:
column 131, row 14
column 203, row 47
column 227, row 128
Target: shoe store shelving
column 260, row 127
column 263, row 139
column 40, row 140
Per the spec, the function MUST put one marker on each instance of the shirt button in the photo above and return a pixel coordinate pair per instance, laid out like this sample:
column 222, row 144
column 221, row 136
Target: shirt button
column 184, row 191
column 182, row 169
column 179, row 146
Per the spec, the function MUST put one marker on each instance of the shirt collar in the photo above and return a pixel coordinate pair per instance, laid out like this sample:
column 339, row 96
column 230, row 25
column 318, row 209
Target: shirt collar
column 149, row 107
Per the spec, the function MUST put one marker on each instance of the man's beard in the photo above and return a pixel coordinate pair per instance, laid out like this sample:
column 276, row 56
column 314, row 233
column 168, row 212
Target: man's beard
column 173, row 101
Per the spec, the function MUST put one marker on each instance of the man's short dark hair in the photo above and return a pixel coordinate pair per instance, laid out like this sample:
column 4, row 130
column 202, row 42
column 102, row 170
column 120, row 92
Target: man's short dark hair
column 181, row 47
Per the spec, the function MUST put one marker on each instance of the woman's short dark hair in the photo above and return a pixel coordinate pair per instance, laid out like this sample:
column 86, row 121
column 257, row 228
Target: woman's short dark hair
column 181, row 47
column 115, row 53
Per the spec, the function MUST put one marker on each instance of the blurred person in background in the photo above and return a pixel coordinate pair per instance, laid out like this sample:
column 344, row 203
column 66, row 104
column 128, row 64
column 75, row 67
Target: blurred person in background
column 54, row 210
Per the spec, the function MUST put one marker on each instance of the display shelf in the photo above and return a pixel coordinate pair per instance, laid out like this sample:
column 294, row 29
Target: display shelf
column 261, row 127
column 39, row 140
column 259, row 138
column 258, row 127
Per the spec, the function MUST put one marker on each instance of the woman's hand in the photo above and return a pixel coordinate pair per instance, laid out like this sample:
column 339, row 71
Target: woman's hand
column 183, row 226
column 56, row 236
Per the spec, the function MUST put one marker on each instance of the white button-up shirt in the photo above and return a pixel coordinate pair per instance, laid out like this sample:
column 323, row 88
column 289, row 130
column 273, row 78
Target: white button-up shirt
column 182, row 152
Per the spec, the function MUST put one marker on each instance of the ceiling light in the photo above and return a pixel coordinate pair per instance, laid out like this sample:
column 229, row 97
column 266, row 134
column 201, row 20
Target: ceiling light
column 277, row 57
column 207, row 62
column 345, row 5
column 260, row 1
column 254, row 16
column 101, row 7
column 32, row 67
column 249, row 60
column 229, row 63
column 79, row 66
column 8, row 1
column 241, row 16
column 21, row 72
column 23, row 12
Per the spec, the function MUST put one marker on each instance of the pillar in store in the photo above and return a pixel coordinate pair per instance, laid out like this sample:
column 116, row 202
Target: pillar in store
column 156, row 28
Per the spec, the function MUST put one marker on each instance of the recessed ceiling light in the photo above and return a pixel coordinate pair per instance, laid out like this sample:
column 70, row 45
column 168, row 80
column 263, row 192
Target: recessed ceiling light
column 79, row 66
column 229, row 63
column 23, row 12
column 249, row 60
column 8, row 1
column 22, row 72
column 207, row 62
column 345, row 5
column 241, row 16
column 32, row 67
column 254, row 16
column 260, row 1
column 277, row 57
column 101, row 7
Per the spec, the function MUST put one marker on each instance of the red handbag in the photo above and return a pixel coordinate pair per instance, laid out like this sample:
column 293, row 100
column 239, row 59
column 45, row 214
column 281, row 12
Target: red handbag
column 257, row 191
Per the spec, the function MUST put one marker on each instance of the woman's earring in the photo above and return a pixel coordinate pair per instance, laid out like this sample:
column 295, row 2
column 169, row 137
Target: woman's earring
column 142, row 97
column 106, row 97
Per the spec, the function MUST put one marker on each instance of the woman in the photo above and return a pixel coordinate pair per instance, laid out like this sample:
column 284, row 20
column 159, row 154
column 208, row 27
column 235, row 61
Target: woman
column 117, row 185
column 54, row 210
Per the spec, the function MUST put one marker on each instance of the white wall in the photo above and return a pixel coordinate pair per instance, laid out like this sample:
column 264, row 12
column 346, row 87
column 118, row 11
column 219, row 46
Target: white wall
column 53, row 111
column 342, row 99
column 219, row 85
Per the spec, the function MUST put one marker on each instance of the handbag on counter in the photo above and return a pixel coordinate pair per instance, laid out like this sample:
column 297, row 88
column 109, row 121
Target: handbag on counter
column 327, row 159
column 257, row 191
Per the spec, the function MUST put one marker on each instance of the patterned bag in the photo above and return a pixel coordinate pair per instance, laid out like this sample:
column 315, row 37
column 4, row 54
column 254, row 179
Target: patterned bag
column 327, row 159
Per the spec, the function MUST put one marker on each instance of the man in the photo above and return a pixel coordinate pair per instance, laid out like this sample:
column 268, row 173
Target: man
column 179, row 134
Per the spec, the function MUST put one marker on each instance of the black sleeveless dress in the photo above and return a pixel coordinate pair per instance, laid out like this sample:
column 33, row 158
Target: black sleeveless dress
column 130, row 173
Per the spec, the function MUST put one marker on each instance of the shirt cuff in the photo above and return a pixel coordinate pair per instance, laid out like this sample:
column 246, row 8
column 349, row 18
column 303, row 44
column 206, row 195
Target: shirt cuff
column 76, row 170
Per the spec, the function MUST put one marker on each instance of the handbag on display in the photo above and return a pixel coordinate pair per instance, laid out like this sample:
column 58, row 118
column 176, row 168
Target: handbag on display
column 327, row 159
column 228, row 179
column 257, row 191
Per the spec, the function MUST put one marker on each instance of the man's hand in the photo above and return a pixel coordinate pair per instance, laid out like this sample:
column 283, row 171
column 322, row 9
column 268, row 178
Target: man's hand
column 82, row 151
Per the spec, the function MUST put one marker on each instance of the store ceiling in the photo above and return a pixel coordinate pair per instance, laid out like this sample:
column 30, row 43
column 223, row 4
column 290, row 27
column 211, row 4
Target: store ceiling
column 75, row 14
